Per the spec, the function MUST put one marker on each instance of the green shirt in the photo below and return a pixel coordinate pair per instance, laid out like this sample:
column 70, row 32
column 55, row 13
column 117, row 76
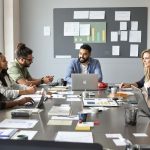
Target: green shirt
column 16, row 71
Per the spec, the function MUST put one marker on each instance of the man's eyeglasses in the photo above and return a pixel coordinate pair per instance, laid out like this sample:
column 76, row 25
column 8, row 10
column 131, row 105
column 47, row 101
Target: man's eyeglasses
column 29, row 59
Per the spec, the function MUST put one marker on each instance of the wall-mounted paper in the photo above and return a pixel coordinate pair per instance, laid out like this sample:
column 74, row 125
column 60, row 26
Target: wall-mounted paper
column 123, row 35
column 134, row 25
column 134, row 50
column 81, row 15
column 122, row 15
column 71, row 28
column 97, row 15
column 123, row 25
column 46, row 30
column 135, row 36
column 63, row 56
column 115, row 50
column 84, row 29
column 114, row 36
column 78, row 45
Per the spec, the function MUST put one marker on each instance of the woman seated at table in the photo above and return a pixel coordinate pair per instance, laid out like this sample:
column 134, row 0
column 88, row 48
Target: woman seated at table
column 8, row 87
column 4, row 103
column 145, row 81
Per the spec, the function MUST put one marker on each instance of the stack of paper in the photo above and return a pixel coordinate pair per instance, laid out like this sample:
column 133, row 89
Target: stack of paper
column 7, row 133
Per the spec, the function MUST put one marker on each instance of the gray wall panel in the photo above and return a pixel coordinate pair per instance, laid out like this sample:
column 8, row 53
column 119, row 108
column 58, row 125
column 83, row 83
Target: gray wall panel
column 37, row 13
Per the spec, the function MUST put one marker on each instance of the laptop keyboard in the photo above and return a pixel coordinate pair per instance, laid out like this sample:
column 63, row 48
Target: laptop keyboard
column 53, row 84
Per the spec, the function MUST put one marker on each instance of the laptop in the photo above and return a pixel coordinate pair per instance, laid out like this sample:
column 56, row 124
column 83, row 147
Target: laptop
column 37, row 104
column 82, row 82
column 142, row 104
column 46, row 145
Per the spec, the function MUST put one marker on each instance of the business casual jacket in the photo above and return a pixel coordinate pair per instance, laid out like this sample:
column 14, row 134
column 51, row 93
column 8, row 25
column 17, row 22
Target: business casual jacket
column 94, row 67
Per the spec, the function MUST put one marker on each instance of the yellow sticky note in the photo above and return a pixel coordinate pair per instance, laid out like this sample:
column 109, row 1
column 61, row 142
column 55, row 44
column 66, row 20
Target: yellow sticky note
column 82, row 127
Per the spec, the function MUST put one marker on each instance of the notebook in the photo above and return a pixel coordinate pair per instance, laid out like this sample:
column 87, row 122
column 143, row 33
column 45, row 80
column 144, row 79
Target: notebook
column 82, row 82
column 142, row 104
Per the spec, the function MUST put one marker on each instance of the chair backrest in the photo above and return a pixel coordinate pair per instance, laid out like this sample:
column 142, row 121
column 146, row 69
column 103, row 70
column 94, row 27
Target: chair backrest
column 46, row 145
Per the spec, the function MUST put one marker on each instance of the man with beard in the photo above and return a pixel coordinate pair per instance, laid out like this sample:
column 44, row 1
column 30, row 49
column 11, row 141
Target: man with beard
column 18, row 70
column 84, row 64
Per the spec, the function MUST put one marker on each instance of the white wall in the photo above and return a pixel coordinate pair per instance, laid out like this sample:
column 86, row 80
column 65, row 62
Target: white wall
column 1, row 26
column 34, row 14
column 11, row 27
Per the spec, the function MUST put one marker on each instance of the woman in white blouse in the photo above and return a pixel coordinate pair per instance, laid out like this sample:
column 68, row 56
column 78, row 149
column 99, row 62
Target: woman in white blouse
column 145, row 81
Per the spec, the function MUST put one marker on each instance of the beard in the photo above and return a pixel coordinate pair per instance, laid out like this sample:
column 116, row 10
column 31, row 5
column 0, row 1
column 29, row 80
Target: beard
column 83, row 60
column 27, row 65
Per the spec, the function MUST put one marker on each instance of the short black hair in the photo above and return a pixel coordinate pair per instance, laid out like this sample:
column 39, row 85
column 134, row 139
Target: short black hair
column 23, row 51
column 87, row 47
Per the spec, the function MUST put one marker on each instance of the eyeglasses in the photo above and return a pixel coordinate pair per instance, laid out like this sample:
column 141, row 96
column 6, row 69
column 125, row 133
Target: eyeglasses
column 29, row 59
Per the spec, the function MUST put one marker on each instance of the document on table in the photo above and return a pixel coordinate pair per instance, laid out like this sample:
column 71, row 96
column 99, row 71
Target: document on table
column 60, row 122
column 140, row 134
column 29, row 133
column 58, row 96
column 73, row 99
column 74, row 117
column 18, row 123
column 113, row 135
column 82, row 137
column 60, row 111
column 7, row 133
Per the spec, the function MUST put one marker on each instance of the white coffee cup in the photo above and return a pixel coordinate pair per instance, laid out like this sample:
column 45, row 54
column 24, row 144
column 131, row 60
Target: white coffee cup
column 113, row 90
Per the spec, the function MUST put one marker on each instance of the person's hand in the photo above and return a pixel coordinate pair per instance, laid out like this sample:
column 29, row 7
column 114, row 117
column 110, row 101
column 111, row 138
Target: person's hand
column 125, row 85
column 31, row 89
column 25, row 100
column 48, row 79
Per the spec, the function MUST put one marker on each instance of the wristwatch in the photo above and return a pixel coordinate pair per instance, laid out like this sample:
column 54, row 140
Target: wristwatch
column 42, row 80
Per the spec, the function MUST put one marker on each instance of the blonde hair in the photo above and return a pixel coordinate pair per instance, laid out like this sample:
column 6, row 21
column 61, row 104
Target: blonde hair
column 146, row 70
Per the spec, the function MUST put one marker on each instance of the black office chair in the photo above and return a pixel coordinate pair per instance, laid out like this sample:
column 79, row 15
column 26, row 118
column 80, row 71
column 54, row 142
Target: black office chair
column 46, row 145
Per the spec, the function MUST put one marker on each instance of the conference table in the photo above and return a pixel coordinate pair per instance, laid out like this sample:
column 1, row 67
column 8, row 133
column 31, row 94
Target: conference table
column 111, row 121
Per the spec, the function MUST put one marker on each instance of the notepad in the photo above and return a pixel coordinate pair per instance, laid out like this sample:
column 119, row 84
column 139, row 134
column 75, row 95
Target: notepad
column 60, row 122
column 7, row 133
column 84, row 126
column 81, row 137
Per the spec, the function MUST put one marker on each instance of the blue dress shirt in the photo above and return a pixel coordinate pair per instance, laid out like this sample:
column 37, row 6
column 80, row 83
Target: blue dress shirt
column 94, row 67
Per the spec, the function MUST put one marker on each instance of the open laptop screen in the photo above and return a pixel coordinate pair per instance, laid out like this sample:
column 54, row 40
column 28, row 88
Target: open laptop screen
column 46, row 145
column 142, row 104
column 87, row 82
